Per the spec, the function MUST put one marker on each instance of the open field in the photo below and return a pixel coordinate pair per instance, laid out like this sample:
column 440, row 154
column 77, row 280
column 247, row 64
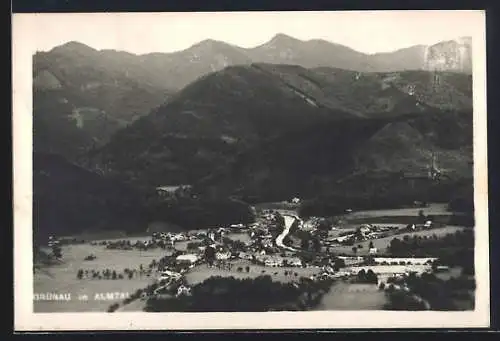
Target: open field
column 353, row 296
column 344, row 228
column 133, row 239
column 62, row 278
column 452, row 272
column 432, row 209
column 382, row 243
column 397, row 220
column 389, row 269
column 280, row 205
column 202, row 272
column 182, row 246
column 242, row 237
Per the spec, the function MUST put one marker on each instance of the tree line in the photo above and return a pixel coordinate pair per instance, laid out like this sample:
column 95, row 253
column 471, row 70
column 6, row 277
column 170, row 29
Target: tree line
column 438, row 293
column 227, row 294
column 453, row 249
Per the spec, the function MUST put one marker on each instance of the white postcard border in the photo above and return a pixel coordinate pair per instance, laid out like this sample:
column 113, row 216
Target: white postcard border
column 25, row 320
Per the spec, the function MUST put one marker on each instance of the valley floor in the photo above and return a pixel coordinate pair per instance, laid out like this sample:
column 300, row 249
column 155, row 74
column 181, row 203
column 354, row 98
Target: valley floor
column 343, row 295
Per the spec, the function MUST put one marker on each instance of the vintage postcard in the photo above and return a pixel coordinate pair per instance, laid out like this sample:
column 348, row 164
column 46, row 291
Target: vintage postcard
column 250, row 170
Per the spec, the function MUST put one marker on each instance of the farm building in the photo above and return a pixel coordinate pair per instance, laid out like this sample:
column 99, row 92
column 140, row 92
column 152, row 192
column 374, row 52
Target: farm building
column 416, row 261
column 244, row 255
column 170, row 191
column 273, row 261
column 187, row 259
column 347, row 258
column 167, row 274
column 364, row 229
column 183, row 290
column 294, row 262
column 222, row 255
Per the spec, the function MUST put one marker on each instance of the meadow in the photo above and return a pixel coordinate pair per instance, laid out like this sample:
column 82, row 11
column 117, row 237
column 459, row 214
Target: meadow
column 242, row 237
column 382, row 243
column 353, row 296
column 200, row 273
column 432, row 209
column 62, row 278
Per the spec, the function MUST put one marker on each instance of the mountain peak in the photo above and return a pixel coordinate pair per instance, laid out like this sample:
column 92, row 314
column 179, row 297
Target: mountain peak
column 282, row 36
column 211, row 43
column 74, row 46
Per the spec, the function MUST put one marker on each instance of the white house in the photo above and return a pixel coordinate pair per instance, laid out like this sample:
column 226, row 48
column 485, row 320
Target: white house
column 167, row 274
column 178, row 237
column 295, row 200
column 222, row 255
column 188, row 258
column 183, row 290
column 294, row 262
column 365, row 229
column 343, row 238
column 275, row 261
column 244, row 255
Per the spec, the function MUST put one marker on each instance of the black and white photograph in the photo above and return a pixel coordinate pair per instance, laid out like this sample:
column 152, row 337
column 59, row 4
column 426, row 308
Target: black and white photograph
column 251, row 162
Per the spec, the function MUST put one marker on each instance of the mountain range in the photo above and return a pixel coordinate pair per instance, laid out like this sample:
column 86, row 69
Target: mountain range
column 91, row 94
column 231, row 111
column 283, row 119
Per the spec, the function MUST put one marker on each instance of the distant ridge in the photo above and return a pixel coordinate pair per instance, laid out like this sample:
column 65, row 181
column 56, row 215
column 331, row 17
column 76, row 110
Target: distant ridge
column 279, row 37
column 224, row 113
column 92, row 94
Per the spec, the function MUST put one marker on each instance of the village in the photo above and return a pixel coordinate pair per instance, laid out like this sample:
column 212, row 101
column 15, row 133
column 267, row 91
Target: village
column 280, row 244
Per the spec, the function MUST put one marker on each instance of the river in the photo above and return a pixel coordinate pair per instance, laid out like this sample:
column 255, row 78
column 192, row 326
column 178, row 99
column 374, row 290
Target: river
column 289, row 220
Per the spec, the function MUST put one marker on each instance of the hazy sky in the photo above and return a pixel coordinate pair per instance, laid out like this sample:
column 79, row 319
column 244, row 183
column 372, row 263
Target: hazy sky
column 367, row 32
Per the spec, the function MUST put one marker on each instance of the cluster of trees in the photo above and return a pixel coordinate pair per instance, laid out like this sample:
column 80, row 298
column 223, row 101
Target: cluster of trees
column 105, row 274
column 287, row 241
column 309, row 242
column 401, row 300
column 194, row 245
column 463, row 200
column 453, row 249
column 126, row 273
column 139, row 245
column 210, row 255
column 90, row 257
column 368, row 277
column 439, row 294
column 338, row 264
column 56, row 252
column 191, row 213
column 71, row 241
column 68, row 200
column 228, row 294
column 234, row 245
column 277, row 225
column 388, row 191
